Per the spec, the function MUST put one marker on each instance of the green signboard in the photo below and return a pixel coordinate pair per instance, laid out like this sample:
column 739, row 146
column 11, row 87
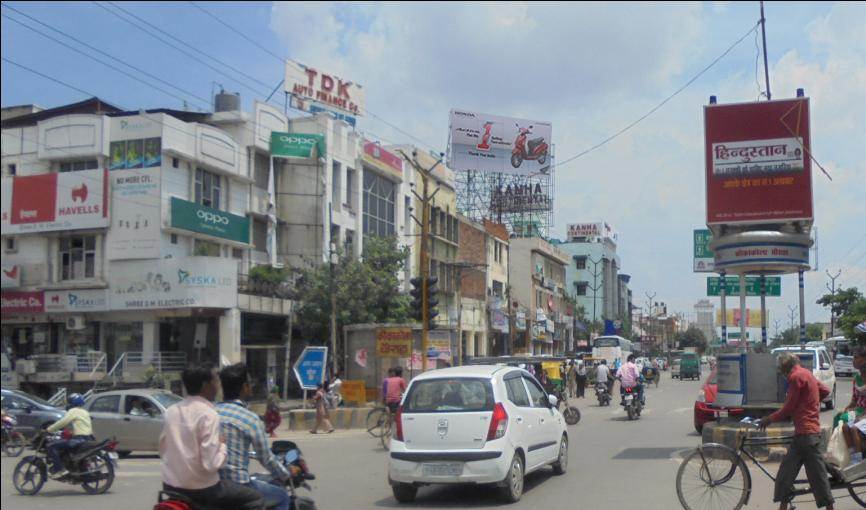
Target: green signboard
column 207, row 220
column 297, row 145
column 704, row 260
column 753, row 286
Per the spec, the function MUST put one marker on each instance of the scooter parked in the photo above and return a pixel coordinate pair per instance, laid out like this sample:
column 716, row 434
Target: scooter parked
column 534, row 149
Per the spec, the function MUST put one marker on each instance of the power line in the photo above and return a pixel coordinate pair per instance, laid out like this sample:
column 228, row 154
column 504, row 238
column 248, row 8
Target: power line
column 658, row 106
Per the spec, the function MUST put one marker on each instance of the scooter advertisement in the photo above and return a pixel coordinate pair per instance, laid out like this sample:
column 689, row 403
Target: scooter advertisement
column 490, row 143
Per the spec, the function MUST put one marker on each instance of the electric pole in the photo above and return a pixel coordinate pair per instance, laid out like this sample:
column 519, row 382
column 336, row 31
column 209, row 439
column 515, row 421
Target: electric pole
column 595, row 284
column 424, row 261
column 832, row 288
column 792, row 309
column 650, row 298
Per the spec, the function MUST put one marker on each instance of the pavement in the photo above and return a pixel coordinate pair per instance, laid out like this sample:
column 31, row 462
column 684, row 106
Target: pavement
column 613, row 463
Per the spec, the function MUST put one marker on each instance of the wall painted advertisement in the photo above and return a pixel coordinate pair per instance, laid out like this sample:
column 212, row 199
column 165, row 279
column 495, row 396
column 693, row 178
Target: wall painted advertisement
column 758, row 167
column 55, row 201
column 135, row 200
column 490, row 143
column 201, row 282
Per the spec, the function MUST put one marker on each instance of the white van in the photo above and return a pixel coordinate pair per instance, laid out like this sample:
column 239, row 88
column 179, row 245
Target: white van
column 816, row 358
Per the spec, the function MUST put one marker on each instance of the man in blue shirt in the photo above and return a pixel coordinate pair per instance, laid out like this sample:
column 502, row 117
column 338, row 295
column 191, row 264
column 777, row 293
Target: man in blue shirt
column 245, row 431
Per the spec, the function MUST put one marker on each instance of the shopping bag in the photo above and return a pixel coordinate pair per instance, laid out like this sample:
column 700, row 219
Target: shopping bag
column 837, row 450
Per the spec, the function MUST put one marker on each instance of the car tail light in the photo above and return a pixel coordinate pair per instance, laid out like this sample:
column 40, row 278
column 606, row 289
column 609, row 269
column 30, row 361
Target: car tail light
column 498, row 422
column 399, row 424
column 702, row 396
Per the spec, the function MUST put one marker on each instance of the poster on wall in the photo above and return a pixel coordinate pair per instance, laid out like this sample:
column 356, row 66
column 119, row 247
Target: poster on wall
column 135, row 231
column 490, row 143
column 758, row 167
column 140, row 153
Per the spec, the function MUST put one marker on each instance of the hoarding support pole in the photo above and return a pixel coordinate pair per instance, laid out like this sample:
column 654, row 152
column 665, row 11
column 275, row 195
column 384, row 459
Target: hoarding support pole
column 743, row 340
column 724, row 288
column 764, row 310
column 802, row 307
column 764, row 37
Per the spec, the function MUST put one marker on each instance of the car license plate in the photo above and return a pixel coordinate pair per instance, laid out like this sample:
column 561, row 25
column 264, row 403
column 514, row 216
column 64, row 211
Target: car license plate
column 722, row 414
column 450, row 469
column 628, row 398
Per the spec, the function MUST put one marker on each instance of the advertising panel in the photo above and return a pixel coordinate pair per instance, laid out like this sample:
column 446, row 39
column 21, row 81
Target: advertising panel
column 55, row 201
column 393, row 342
column 753, row 318
column 297, row 145
column 201, row 282
column 88, row 300
column 16, row 302
column 141, row 153
column 309, row 86
column 11, row 276
column 439, row 346
column 592, row 230
column 758, row 167
column 382, row 159
column 207, row 220
column 520, row 198
column 704, row 260
column 135, row 200
column 490, row 143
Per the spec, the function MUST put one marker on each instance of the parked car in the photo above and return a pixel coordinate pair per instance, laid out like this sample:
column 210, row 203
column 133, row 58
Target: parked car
column 31, row 413
column 476, row 424
column 675, row 369
column 843, row 366
column 133, row 417
column 816, row 358
column 705, row 408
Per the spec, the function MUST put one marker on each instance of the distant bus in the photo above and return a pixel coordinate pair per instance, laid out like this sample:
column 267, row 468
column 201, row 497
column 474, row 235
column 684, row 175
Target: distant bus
column 612, row 348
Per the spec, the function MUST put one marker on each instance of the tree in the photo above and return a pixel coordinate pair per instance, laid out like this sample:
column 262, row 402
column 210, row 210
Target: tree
column 849, row 307
column 791, row 336
column 692, row 337
column 367, row 290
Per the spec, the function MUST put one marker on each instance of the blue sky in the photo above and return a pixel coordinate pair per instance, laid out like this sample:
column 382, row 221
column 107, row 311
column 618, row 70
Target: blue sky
column 589, row 68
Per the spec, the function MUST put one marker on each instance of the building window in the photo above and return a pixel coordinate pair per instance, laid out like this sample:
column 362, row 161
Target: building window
column 206, row 249
column 77, row 257
column 350, row 188
column 580, row 262
column 378, row 205
column 350, row 243
column 10, row 245
column 175, row 163
column 497, row 288
column 260, row 235
column 12, row 169
column 207, row 188
column 336, row 171
column 580, row 288
column 75, row 166
column 238, row 253
column 173, row 239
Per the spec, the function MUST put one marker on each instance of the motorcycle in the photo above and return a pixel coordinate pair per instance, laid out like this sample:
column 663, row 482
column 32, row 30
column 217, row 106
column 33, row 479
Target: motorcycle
column 570, row 413
column 533, row 149
column 631, row 401
column 90, row 465
column 13, row 441
column 602, row 393
column 288, row 454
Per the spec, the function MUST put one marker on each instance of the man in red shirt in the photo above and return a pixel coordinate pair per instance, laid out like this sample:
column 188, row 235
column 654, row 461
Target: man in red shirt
column 394, row 388
column 802, row 405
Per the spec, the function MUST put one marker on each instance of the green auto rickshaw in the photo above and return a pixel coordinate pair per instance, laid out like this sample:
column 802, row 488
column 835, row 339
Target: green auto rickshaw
column 690, row 366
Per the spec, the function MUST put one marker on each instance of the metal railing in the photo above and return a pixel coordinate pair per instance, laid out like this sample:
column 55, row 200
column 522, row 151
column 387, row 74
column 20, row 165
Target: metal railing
column 54, row 362
column 92, row 362
column 161, row 361
column 59, row 398
column 255, row 287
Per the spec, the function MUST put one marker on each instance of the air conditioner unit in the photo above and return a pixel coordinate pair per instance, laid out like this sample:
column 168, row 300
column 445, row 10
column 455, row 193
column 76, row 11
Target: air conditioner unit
column 75, row 323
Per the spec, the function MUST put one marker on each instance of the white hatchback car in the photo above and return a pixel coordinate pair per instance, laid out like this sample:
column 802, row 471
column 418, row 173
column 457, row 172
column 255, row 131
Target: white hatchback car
column 475, row 424
column 816, row 358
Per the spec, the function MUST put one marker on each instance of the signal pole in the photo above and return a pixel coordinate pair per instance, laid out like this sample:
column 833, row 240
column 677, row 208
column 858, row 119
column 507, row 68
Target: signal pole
column 832, row 288
column 424, row 257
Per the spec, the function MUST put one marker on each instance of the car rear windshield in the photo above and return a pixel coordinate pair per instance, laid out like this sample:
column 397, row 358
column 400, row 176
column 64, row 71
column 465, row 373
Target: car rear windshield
column 449, row 396
column 167, row 399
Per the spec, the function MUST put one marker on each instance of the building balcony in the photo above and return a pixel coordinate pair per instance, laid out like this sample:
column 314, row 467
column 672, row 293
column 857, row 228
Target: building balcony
column 48, row 368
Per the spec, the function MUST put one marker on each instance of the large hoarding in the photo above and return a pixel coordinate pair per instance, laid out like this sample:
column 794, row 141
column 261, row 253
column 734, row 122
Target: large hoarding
column 490, row 143
column 55, row 201
column 758, row 167
column 313, row 90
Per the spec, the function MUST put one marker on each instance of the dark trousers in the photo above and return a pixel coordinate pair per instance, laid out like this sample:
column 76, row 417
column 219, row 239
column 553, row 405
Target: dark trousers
column 56, row 449
column 804, row 451
column 581, row 386
column 226, row 495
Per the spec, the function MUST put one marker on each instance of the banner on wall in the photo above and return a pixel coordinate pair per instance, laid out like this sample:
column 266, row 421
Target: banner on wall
column 135, row 230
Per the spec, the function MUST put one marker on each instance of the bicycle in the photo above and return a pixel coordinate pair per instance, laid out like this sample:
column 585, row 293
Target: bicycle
column 13, row 441
column 379, row 424
column 722, row 479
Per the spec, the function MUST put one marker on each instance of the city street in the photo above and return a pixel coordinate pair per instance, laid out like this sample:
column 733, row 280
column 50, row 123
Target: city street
column 613, row 463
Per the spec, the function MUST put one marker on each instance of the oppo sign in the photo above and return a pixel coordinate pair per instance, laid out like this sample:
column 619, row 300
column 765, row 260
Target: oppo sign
column 211, row 217
column 297, row 145
column 296, row 140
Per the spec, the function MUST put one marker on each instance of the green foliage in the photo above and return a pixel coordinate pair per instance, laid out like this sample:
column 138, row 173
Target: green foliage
column 367, row 290
column 791, row 336
column 268, row 274
column 849, row 306
column 692, row 337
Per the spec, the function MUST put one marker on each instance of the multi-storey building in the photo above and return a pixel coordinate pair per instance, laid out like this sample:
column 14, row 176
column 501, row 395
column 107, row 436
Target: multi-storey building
column 705, row 317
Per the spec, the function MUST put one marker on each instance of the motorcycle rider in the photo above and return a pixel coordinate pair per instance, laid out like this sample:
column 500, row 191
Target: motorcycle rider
column 602, row 375
column 82, row 431
column 245, row 432
column 630, row 377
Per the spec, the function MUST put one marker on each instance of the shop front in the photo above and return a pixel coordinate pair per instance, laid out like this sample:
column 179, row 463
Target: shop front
column 263, row 348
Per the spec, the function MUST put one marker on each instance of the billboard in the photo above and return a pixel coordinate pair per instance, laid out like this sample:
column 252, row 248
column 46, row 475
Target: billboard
column 490, row 143
column 704, row 259
column 753, row 317
column 520, row 198
column 55, row 201
column 592, row 230
column 135, row 230
column 311, row 88
column 757, row 162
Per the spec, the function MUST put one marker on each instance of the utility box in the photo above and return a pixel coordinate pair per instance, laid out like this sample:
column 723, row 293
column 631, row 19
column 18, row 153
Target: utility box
column 750, row 379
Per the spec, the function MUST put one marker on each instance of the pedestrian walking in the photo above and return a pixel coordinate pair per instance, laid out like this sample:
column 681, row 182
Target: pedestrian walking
column 272, row 413
column 322, row 414
column 581, row 379
column 571, row 378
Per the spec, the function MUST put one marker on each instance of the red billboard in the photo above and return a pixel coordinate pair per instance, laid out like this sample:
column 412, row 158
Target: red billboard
column 758, row 165
column 16, row 302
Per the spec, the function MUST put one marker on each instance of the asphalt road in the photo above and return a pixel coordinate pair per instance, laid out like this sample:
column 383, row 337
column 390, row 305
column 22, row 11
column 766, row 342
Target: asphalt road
column 613, row 463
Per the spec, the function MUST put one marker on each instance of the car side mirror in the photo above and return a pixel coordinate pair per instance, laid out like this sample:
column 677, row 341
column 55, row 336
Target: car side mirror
column 552, row 400
column 825, row 366
column 29, row 409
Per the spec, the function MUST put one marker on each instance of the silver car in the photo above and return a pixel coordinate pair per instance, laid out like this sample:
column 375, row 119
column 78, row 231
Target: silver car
column 133, row 417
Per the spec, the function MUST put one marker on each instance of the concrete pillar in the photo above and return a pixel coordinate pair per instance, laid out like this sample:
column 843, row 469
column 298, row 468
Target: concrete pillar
column 230, row 336
column 149, row 339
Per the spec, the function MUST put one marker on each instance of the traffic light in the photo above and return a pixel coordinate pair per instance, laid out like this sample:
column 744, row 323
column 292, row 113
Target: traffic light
column 432, row 301
column 416, row 298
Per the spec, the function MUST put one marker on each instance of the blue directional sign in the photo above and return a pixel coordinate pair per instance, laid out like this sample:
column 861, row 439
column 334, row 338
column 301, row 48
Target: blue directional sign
column 310, row 367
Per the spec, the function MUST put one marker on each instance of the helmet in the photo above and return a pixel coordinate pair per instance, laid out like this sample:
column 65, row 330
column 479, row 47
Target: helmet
column 76, row 400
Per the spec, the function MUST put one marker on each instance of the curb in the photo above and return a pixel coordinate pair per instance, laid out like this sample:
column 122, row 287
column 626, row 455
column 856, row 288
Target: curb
column 730, row 432
column 343, row 418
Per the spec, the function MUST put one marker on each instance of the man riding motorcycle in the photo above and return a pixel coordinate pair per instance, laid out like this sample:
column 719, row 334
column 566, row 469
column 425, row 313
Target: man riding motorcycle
column 630, row 377
column 82, row 431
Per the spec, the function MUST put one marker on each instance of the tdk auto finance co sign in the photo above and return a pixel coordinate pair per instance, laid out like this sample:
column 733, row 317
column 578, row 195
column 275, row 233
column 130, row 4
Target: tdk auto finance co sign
column 207, row 220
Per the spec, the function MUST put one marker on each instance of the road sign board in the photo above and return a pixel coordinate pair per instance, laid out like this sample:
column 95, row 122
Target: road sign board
column 753, row 286
column 704, row 260
column 310, row 367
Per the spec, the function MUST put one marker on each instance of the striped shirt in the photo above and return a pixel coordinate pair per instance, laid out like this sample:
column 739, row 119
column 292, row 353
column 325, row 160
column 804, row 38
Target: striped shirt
column 245, row 431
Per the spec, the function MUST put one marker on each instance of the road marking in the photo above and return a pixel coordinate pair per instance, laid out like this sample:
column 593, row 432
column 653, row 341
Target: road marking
column 680, row 410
